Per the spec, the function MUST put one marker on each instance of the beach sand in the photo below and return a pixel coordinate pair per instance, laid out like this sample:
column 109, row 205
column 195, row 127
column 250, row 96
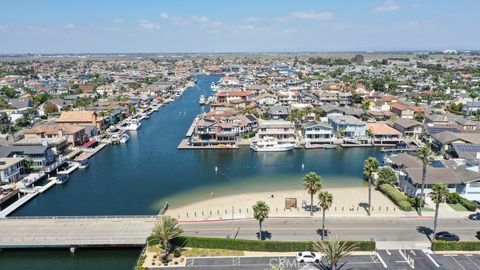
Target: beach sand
column 347, row 201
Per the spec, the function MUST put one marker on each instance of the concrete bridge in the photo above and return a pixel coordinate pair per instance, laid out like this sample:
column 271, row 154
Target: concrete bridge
column 87, row 231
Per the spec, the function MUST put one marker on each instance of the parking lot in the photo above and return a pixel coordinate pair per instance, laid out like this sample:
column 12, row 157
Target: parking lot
column 383, row 259
column 458, row 261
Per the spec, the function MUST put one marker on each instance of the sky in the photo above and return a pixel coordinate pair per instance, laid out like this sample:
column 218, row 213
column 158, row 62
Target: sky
column 173, row 26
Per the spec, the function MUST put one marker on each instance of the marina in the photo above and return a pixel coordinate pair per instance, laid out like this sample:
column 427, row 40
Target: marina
column 147, row 163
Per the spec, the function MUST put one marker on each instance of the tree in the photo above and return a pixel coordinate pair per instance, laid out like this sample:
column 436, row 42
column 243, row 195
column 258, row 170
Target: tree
column 358, row 59
column 312, row 183
column 260, row 212
column 22, row 122
column 50, row 108
column 425, row 155
column 166, row 230
column 334, row 250
column 370, row 166
column 9, row 92
column 4, row 118
column 387, row 175
column 438, row 195
column 366, row 105
column 418, row 117
column 325, row 200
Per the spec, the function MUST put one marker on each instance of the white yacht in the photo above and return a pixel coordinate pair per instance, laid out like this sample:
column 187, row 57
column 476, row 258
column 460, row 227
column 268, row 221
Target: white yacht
column 124, row 138
column 213, row 86
column 132, row 124
column 202, row 100
column 269, row 144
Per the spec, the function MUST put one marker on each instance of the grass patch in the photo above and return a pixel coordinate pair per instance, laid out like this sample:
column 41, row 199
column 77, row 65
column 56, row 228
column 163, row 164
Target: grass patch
column 458, row 207
column 462, row 246
column 426, row 209
column 205, row 252
column 155, row 248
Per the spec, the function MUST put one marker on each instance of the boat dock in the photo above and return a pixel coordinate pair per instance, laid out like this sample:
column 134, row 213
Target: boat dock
column 5, row 212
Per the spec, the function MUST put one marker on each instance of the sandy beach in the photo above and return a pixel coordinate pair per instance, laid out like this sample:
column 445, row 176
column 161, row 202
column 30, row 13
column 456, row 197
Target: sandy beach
column 346, row 202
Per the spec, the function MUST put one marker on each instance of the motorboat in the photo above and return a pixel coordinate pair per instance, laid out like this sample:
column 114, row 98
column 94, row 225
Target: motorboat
column 213, row 86
column 202, row 100
column 60, row 179
column 270, row 144
column 132, row 124
column 83, row 164
column 124, row 138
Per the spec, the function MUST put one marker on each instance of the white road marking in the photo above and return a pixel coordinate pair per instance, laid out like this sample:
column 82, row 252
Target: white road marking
column 432, row 260
column 381, row 260
column 476, row 265
column 453, row 258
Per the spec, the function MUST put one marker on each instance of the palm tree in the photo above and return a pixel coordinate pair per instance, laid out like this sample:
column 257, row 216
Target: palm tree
column 425, row 155
column 438, row 195
column 325, row 200
column 370, row 166
column 312, row 183
column 166, row 230
column 334, row 250
column 260, row 212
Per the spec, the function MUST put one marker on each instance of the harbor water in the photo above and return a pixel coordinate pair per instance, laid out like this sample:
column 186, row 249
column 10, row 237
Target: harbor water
column 140, row 176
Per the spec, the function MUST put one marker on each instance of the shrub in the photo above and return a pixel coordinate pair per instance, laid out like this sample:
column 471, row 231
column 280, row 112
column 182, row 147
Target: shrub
column 255, row 245
column 387, row 175
column 399, row 198
column 453, row 198
column 177, row 253
column 164, row 259
column 449, row 245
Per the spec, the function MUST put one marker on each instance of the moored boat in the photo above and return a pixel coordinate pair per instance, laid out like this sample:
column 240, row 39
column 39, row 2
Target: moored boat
column 269, row 144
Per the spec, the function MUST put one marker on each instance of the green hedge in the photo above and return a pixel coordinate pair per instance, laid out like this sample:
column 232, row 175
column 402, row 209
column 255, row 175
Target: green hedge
column 454, row 198
column 450, row 245
column 399, row 198
column 253, row 245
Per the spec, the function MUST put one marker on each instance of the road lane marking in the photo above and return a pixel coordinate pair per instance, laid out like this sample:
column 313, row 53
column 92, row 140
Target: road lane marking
column 381, row 260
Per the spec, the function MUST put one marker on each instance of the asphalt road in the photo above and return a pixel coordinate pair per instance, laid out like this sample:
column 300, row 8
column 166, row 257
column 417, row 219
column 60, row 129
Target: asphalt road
column 378, row 229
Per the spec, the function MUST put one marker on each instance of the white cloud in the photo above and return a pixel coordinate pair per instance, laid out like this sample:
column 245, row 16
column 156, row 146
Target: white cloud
column 388, row 5
column 201, row 19
column 117, row 20
column 70, row 26
column 314, row 15
column 144, row 24
column 252, row 19
column 164, row 16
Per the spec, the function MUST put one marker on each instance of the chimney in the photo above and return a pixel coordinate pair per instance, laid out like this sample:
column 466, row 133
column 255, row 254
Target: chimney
column 60, row 133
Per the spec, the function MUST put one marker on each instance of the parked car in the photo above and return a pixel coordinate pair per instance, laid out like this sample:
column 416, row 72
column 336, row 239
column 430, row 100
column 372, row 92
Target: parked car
column 446, row 236
column 474, row 216
column 308, row 257
column 478, row 235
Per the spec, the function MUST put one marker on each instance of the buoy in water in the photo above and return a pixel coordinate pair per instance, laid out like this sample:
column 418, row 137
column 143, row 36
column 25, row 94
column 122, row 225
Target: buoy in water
column 303, row 165
column 216, row 169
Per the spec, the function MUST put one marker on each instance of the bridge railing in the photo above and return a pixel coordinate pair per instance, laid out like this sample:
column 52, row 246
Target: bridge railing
column 84, row 217
column 35, row 241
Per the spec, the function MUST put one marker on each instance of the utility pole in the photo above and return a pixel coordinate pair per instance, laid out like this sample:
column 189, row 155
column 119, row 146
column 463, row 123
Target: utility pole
column 233, row 222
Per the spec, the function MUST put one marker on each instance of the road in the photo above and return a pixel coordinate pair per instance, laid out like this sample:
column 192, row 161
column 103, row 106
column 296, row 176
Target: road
column 91, row 231
column 378, row 229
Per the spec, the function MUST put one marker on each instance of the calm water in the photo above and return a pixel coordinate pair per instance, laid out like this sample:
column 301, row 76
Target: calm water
column 137, row 178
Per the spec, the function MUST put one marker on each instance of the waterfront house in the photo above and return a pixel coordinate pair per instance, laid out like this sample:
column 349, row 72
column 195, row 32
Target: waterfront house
column 283, row 131
column 347, row 126
column 314, row 132
column 74, row 134
column 11, row 169
column 410, row 129
column 228, row 96
column 443, row 141
column 83, row 118
column 381, row 133
column 58, row 102
column 40, row 156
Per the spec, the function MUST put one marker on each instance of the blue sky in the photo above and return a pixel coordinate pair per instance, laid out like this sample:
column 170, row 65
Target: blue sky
column 89, row 26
